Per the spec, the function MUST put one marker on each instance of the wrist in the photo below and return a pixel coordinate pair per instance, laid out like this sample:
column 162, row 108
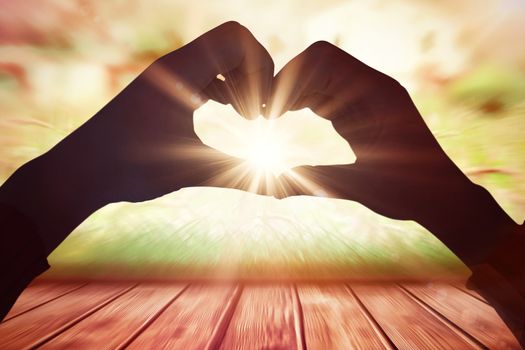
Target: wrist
column 471, row 223
column 502, row 295
column 508, row 260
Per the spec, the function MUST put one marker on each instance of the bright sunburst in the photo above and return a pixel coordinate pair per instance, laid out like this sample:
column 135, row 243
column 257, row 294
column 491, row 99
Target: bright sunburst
column 271, row 147
column 265, row 152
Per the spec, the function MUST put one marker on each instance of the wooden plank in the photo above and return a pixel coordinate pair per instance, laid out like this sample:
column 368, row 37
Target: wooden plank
column 37, row 325
column 333, row 319
column 110, row 326
column 474, row 316
column 191, row 322
column 38, row 294
column 264, row 319
column 407, row 324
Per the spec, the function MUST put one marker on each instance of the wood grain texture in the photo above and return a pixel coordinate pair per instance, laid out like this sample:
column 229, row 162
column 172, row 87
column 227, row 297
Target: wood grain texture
column 110, row 326
column 334, row 320
column 38, row 294
column 45, row 321
column 189, row 322
column 264, row 319
column 269, row 316
column 407, row 324
column 475, row 317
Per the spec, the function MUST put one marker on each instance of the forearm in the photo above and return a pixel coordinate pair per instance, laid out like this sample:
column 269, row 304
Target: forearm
column 22, row 256
column 48, row 192
column 40, row 204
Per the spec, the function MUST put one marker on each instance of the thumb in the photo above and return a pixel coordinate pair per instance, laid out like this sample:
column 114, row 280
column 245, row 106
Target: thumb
column 331, row 181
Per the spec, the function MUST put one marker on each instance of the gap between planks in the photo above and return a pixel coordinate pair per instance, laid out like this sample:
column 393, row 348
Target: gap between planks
column 222, row 326
column 224, row 321
column 442, row 318
column 219, row 331
column 73, row 322
column 298, row 318
column 385, row 339
column 46, row 301
column 151, row 319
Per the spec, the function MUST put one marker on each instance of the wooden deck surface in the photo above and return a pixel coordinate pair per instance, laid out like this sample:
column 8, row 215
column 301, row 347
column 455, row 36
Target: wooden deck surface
column 103, row 315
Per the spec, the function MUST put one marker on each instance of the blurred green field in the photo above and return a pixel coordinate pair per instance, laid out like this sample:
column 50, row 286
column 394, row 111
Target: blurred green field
column 225, row 233
column 464, row 65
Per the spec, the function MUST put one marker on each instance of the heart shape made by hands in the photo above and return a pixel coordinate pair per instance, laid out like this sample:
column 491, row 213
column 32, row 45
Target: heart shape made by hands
column 274, row 145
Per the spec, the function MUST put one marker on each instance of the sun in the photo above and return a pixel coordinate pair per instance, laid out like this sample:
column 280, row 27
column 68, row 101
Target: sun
column 268, row 152
column 265, row 154
column 265, row 150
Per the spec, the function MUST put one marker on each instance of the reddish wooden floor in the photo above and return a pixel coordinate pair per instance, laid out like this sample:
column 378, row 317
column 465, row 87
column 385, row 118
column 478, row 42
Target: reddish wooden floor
column 54, row 315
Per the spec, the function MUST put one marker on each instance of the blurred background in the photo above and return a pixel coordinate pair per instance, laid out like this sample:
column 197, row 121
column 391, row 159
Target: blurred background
column 462, row 61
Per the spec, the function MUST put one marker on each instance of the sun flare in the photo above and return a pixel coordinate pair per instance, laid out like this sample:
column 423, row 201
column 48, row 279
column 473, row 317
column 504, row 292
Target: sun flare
column 265, row 156
column 270, row 147
column 296, row 138
column 265, row 151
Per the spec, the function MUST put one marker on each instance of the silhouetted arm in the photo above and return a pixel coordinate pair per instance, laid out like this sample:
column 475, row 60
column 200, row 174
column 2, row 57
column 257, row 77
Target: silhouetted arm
column 140, row 146
column 401, row 171
column 22, row 256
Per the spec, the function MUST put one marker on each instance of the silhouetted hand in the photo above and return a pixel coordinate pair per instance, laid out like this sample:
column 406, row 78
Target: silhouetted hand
column 401, row 171
column 142, row 144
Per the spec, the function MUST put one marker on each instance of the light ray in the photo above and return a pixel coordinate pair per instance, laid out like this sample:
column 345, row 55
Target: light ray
column 265, row 149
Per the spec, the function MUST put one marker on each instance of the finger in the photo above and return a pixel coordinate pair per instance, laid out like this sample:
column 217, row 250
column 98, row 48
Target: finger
column 248, row 92
column 248, row 85
column 293, row 81
column 334, row 181
column 201, row 165
column 321, row 69
column 304, row 75
column 200, row 61
column 231, row 50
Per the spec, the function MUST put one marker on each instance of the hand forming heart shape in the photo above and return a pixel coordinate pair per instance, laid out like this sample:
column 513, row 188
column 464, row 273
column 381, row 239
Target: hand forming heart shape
column 272, row 145
column 401, row 171
column 143, row 143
